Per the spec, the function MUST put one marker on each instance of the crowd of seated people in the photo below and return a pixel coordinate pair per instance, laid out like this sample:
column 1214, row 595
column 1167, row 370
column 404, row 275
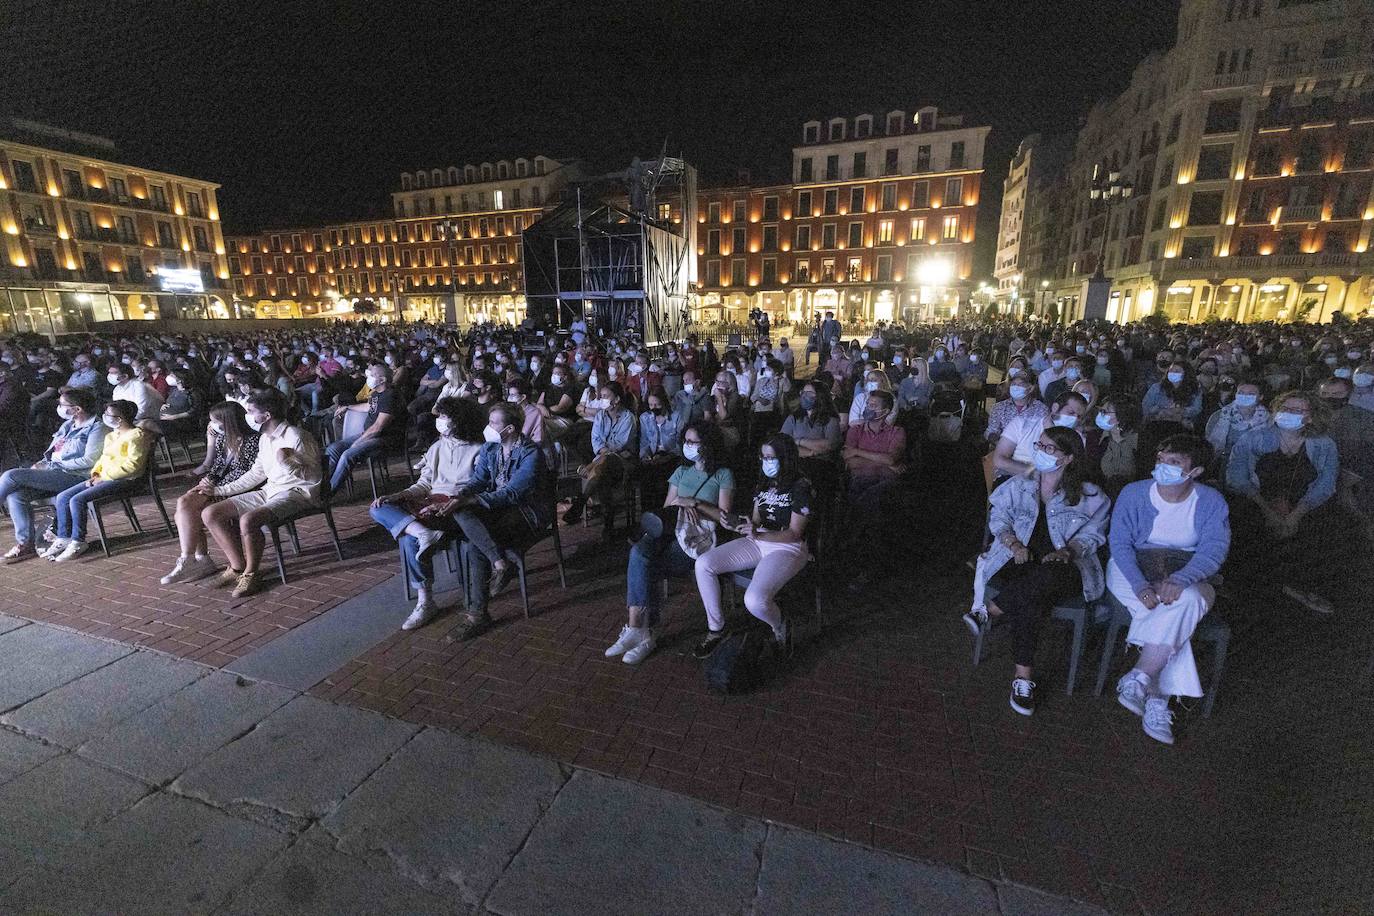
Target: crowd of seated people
column 1097, row 440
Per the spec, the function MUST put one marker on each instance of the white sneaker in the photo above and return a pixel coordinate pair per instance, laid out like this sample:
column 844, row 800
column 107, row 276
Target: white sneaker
column 73, row 549
column 629, row 638
column 1159, row 720
column 426, row 540
column 641, row 651
column 52, row 551
column 1130, row 691
column 424, row 612
column 189, row 569
column 977, row 621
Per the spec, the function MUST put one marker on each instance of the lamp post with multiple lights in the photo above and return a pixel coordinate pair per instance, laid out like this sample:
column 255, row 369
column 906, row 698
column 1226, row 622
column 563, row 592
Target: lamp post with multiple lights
column 1105, row 192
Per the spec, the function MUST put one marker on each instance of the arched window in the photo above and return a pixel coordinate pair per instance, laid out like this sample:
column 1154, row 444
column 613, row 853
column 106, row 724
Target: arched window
column 469, row 173
column 453, row 174
column 486, row 171
column 436, row 177
column 406, row 181
column 503, row 169
column 420, row 180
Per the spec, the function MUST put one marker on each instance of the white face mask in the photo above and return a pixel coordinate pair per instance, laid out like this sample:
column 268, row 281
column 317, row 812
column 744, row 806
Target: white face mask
column 112, row 379
column 375, row 380
column 66, row 411
column 1175, row 377
column 254, row 423
column 691, row 451
column 443, row 425
column 110, row 422
column 216, row 427
column 491, row 435
column 555, row 380
column 1068, row 421
column 689, row 387
column 870, row 386
column 592, row 380
column 1044, row 461
column 1018, row 391
column 1246, row 400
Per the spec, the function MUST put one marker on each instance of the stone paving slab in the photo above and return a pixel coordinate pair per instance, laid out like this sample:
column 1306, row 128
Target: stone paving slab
column 313, row 880
column 165, row 855
column 163, row 740
column 447, row 811
column 8, row 623
column 298, row 763
column 19, row 754
column 45, row 812
column 90, row 706
column 806, row 873
column 609, row 847
column 1016, row 900
column 41, row 658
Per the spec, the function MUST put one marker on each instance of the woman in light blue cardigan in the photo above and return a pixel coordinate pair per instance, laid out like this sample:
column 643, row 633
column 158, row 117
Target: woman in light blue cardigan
column 1169, row 536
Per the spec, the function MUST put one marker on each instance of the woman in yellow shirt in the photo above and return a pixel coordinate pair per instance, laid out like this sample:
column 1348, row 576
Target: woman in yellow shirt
column 119, row 468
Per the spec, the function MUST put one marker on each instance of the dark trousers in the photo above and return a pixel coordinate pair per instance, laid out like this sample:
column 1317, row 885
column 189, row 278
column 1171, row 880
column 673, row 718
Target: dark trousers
column 1028, row 592
column 487, row 534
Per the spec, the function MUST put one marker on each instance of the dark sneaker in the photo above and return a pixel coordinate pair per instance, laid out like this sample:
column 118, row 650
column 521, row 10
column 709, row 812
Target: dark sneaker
column 1023, row 696
column 501, row 579
column 708, row 645
column 470, row 627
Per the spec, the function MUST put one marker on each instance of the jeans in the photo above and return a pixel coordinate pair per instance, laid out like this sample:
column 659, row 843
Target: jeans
column 487, row 534
column 20, row 486
column 773, row 563
column 655, row 556
column 395, row 519
column 313, row 391
column 345, row 453
column 71, row 504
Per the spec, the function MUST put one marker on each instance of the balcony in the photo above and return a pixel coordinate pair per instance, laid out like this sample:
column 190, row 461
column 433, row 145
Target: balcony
column 1228, row 80
column 34, row 227
column 1326, row 67
column 1223, row 267
column 1306, row 214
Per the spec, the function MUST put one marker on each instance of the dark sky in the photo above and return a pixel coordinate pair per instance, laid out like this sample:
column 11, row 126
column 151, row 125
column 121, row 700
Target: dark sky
column 308, row 111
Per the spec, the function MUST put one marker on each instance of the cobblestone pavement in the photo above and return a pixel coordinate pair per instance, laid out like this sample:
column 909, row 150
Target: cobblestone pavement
column 881, row 735
column 134, row 782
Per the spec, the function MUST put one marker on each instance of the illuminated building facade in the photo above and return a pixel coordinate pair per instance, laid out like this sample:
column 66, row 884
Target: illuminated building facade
column 1250, row 149
column 87, row 239
column 1029, row 243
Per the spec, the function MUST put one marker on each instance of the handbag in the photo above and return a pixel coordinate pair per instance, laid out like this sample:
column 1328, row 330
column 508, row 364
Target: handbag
column 695, row 538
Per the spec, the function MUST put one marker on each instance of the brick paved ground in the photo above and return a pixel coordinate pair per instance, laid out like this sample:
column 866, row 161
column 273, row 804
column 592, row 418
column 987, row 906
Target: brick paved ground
column 882, row 733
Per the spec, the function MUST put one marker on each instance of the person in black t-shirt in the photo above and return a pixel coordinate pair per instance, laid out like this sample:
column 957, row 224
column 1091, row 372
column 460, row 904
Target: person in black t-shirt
column 379, row 428
column 772, row 544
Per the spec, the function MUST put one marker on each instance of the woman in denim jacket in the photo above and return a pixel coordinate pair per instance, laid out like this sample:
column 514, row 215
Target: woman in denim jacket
column 1047, row 527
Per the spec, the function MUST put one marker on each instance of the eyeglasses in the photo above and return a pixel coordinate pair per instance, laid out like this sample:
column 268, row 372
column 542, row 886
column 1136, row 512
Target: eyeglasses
column 1050, row 449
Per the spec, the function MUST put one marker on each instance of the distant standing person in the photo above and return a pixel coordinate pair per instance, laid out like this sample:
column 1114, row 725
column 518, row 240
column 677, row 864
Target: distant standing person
column 830, row 330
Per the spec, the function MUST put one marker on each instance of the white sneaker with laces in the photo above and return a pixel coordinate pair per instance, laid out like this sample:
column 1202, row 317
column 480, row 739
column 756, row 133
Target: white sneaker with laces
column 424, row 612
column 178, row 571
column 629, row 638
column 977, row 621
column 1130, row 690
column 425, row 541
column 189, row 569
column 73, row 549
column 54, row 549
column 641, row 651
column 1159, row 720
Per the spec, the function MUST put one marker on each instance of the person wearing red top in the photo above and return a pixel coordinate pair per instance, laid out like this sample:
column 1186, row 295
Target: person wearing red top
column 157, row 377
column 328, row 364
column 874, row 450
column 643, row 378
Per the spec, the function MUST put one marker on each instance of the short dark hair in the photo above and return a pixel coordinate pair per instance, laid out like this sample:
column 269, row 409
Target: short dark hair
column 1196, row 449
column 127, row 410
column 885, row 397
column 269, row 400
column 519, row 385
column 467, row 419
column 83, row 398
column 513, row 415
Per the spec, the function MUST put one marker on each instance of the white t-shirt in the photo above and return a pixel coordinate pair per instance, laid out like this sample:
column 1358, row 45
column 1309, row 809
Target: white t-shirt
column 1025, row 432
column 1174, row 525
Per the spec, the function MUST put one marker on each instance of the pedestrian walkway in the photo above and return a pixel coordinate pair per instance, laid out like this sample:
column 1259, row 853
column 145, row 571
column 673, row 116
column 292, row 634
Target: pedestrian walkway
column 134, row 782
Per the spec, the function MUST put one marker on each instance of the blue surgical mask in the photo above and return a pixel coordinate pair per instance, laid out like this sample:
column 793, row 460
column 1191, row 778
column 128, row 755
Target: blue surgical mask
column 1073, row 373
column 1168, row 475
column 870, row 386
column 1247, row 400
column 1104, row 422
column 808, row 402
column 1287, row 420
column 1068, row 421
column 691, row 451
column 771, row 467
column 1044, row 461
column 1018, row 391
column 1175, row 377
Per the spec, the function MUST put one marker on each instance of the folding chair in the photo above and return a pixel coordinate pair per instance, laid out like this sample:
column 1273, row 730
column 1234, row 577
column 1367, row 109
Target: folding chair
column 1209, row 629
column 516, row 555
column 273, row 526
column 1073, row 611
column 149, row 487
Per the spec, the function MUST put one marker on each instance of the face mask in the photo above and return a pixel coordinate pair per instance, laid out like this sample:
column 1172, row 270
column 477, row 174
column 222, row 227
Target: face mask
column 97, row 351
column 1287, row 420
column 941, row 354
column 808, row 402
column 112, row 379
column 691, row 451
column 1057, row 363
column 898, row 360
column 1068, row 421
column 1175, row 377
column 66, row 411
column 1080, row 349
column 438, row 360
column 1074, row 373
column 870, row 386
column 555, row 380
column 592, row 380
column 253, row 422
column 1018, row 392
column 110, row 422
column 612, row 372
column 1342, row 372
column 1104, row 422
column 534, row 365
column 1363, row 379
column 766, row 373
column 1168, row 475
column 1352, row 354
column 771, row 466
column 973, row 358
column 490, row 435
column 1329, row 360
column 1044, row 461
column 598, row 403
column 374, row 381
column 865, row 354
column 1247, row 400
column 870, row 415
column 443, row 425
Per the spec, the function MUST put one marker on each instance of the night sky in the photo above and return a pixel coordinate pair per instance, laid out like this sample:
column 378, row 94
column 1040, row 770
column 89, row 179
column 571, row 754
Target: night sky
column 307, row 112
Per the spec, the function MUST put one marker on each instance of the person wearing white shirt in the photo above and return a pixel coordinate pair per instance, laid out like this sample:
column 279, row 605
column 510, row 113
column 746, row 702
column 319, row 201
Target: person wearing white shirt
column 1015, row 452
column 284, row 480
column 1363, row 380
column 1054, row 373
column 128, row 388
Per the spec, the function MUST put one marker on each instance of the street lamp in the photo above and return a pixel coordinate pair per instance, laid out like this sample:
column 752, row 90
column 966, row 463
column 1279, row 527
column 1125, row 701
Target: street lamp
column 1109, row 190
column 1044, row 291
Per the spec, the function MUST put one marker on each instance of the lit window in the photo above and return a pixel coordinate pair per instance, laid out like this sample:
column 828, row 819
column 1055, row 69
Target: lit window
column 951, row 227
column 885, row 231
column 918, row 228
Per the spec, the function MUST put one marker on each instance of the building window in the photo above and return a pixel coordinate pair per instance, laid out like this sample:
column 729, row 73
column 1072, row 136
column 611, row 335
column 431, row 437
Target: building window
column 894, row 124
column 803, row 238
column 201, row 242
column 1309, row 153
column 923, row 158
column 1223, row 116
column 770, row 209
column 889, row 196
column 920, row 197
column 855, row 271
column 803, row 274
column 770, row 238
column 23, row 176
column 860, row 165
column 954, row 192
column 803, row 205
column 713, row 273
column 84, row 227
column 837, row 130
column 918, row 228
column 713, row 242
column 770, row 271
column 159, row 197
column 164, row 235
column 890, row 165
column 856, row 235
column 1197, row 247
column 665, row 213
column 738, row 240
column 863, row 127
column 951, row 232
column 811, row 133
column 1214, row 163
column 119, row 189
column 257, row 264
column 828, row 236
column 884, row 274
column 885, row 232
column 739, row 211
column 1205, row 208
column 956, row 155
column 805, row 173
column 737, row 276
column 832, row 168
column 832, row 201
column 713, row 212
column 856, row 200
